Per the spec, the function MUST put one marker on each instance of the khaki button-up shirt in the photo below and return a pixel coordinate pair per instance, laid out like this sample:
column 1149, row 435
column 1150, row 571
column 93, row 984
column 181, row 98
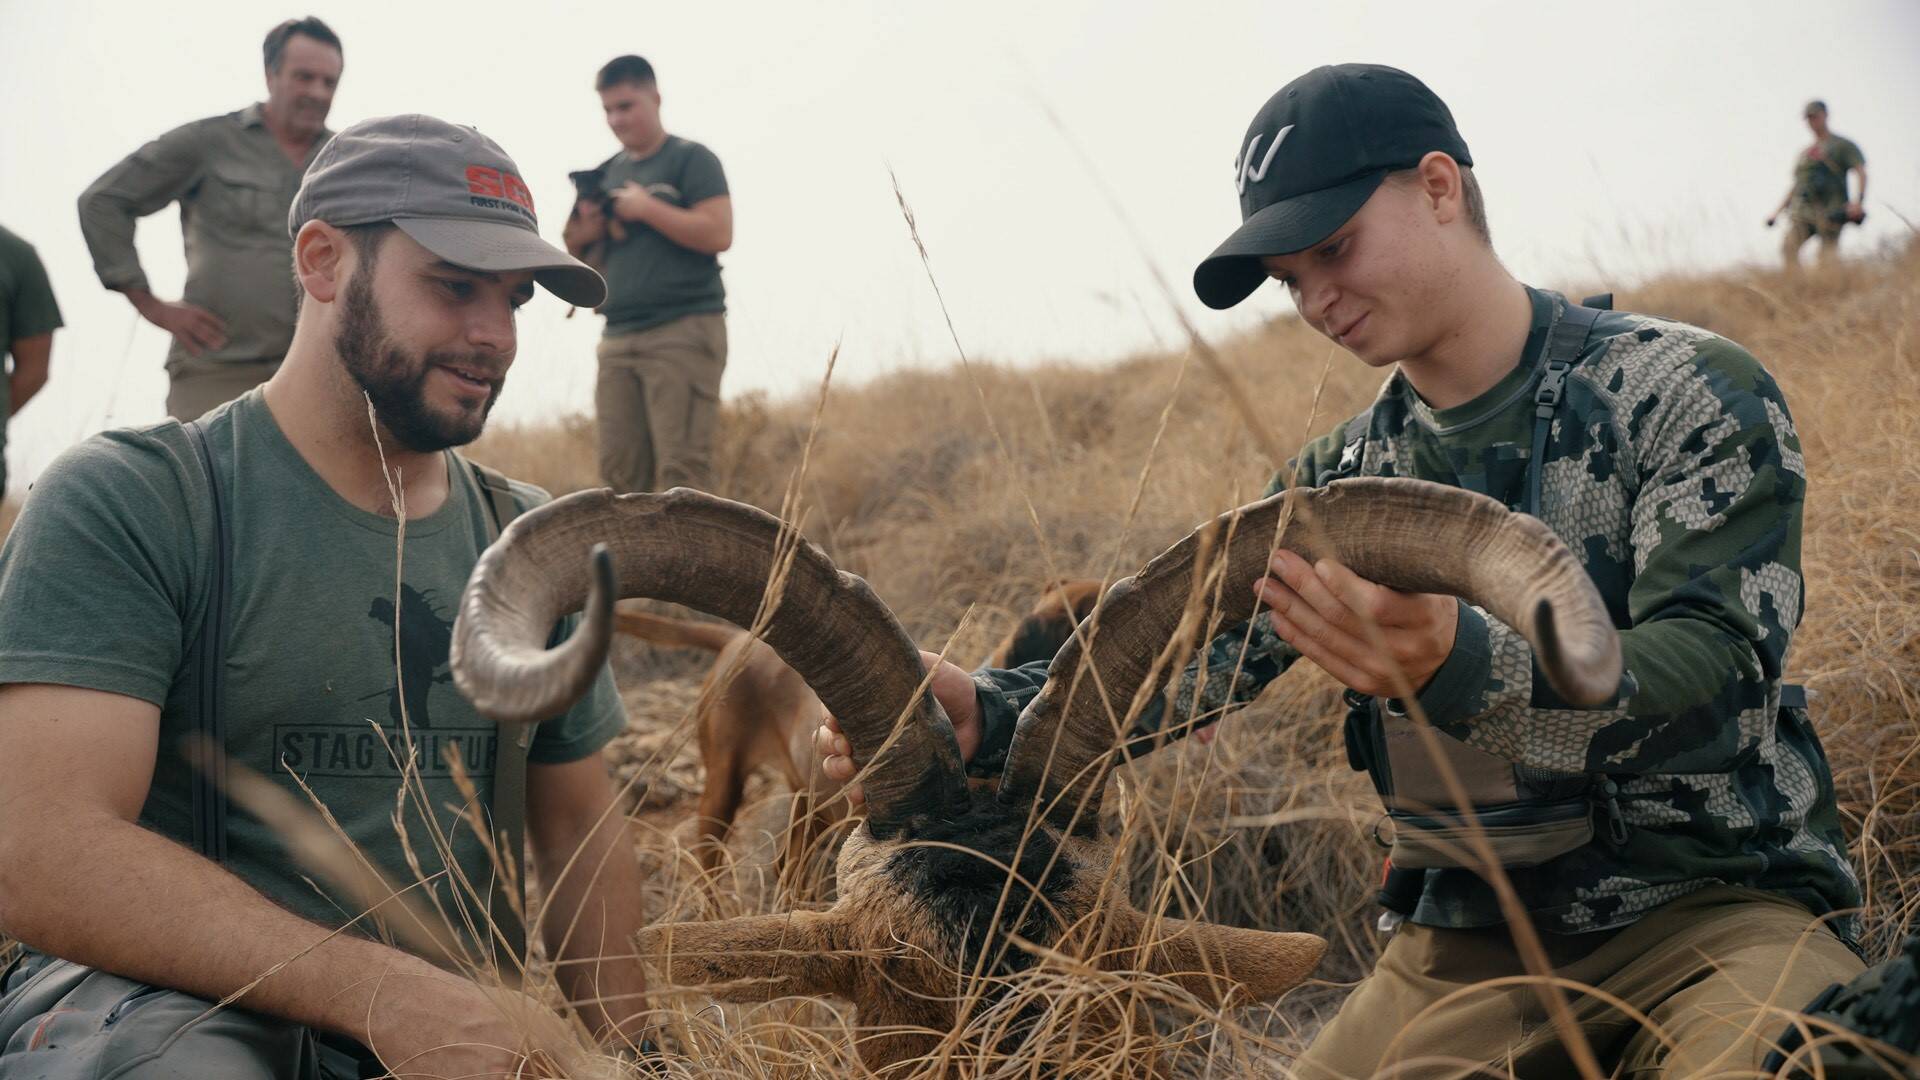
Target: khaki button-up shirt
column 234, row 186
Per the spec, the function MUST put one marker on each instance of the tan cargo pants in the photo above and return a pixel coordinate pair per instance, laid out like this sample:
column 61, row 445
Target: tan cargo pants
column 1804, row 226
column 1717, row 972
column 198, row 387
column 655, row 403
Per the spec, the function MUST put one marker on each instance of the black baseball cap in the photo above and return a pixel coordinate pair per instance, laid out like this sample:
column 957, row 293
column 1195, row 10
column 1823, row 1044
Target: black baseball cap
column 1315, row 153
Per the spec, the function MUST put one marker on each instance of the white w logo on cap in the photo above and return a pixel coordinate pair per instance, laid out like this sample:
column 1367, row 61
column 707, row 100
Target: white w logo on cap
column 1241, row 165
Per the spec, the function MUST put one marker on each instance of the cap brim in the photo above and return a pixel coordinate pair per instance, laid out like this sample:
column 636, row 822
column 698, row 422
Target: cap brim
column 501, row 248
column 1233, row 271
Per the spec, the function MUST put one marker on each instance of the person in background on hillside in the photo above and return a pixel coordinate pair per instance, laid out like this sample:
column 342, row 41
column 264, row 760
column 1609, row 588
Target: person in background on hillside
column 1678, row 847
column 658, row 390
column 234, row 177
column 1817, row 203
column 410, row 283
column 28, row 317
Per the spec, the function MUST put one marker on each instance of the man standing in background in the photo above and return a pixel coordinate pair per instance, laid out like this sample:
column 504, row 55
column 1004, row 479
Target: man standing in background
column 234, row 177
column 665, row 346
column 1817, row 201
column 28, row 318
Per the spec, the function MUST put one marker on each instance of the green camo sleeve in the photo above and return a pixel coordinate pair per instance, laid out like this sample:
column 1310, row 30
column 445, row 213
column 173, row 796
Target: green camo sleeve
column 1715, row 597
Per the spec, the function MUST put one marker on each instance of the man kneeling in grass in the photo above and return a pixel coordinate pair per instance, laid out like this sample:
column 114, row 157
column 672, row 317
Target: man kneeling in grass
column 414, row 244
column 1677, row 847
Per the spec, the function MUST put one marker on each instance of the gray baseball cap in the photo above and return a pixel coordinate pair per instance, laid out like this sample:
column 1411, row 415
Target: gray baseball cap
column 450, row 188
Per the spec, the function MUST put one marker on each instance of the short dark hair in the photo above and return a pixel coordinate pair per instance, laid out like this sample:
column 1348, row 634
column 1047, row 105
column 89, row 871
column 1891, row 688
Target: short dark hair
column 624, row 69
column 368, row 238
column 277, row 38
column 1476, row 203
column 1816, row 106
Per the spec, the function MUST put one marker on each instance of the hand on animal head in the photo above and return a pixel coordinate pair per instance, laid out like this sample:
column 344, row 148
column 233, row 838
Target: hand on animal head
column 939, row 883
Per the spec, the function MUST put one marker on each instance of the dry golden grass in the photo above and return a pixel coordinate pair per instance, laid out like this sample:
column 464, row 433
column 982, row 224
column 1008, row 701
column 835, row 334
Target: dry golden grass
column 909, row 487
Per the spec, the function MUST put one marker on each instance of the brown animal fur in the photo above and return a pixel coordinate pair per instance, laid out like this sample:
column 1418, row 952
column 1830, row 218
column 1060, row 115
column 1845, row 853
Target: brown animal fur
column 1064, row 604
column 882, row 936
column 875, row 940
column 759, row 713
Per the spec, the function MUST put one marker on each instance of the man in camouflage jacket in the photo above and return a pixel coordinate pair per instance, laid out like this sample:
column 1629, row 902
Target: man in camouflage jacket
column 1719, row 897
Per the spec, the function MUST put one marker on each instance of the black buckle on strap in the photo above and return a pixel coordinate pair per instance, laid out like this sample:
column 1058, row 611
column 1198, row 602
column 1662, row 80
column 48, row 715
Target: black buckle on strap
column 1553, row 383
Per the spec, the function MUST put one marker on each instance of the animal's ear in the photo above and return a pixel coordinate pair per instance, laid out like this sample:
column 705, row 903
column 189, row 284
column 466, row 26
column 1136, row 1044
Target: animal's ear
column 754, row 957
column 1209, row 960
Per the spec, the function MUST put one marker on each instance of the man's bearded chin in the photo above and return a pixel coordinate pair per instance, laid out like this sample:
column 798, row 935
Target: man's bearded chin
column 395, row 380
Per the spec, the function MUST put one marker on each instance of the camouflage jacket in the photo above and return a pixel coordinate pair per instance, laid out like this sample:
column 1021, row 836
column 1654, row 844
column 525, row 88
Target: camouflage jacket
column 1674, row 473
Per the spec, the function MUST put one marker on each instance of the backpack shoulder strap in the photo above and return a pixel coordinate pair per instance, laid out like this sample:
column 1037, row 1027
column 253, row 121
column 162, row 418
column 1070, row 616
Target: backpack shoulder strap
column 207, row 659
column 1565, row 344
column 1353, row 450
column 510, row 761
column 499, row 492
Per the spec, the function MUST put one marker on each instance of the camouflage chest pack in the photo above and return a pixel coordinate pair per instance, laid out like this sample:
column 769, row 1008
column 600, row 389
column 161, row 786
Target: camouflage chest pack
column 1526, row 816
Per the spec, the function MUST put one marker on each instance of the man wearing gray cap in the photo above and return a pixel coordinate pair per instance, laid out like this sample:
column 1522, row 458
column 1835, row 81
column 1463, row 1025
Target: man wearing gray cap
column 233, row 177
column 264, row 535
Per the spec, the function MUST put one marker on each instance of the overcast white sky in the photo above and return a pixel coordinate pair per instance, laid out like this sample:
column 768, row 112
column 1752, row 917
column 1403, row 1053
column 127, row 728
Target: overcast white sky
column 1614, row 140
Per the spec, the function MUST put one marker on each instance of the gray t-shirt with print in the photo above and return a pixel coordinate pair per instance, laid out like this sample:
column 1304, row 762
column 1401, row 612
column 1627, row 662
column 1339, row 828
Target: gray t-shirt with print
column 650, row 279
column 104, row 581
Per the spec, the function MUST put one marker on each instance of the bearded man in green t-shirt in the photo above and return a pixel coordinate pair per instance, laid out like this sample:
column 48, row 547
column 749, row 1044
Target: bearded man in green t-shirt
column 657, row 394
column 1677, row 845
column 1817, row 204
column 414, row 244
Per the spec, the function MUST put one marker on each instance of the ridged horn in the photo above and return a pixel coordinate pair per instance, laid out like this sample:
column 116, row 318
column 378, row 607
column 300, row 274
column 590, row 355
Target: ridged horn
column 715, row 556
column 1411, row 535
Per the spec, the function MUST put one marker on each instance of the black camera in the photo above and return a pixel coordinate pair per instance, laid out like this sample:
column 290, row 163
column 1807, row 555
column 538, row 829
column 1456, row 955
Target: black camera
column 589, row 184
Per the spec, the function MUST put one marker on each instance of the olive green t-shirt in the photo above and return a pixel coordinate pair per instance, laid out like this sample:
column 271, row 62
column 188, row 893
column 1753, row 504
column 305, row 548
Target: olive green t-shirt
column 104, row 580
column 1820, row 172
column 650, row 279
column 27, row 309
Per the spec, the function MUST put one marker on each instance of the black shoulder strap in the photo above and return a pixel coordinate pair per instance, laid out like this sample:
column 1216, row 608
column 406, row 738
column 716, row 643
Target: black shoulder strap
column 1599, row 301
column 1565, row 343
column 207, row 660
column 1353, row 451
column 510, row 760
column 502, row 509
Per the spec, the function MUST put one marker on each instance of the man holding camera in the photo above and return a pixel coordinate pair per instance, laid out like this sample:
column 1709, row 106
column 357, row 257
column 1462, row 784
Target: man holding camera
column 1817, row 204
column 653, row 220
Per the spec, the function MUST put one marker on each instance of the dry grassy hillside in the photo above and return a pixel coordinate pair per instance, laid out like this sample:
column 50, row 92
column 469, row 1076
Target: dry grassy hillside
column 955, row 493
